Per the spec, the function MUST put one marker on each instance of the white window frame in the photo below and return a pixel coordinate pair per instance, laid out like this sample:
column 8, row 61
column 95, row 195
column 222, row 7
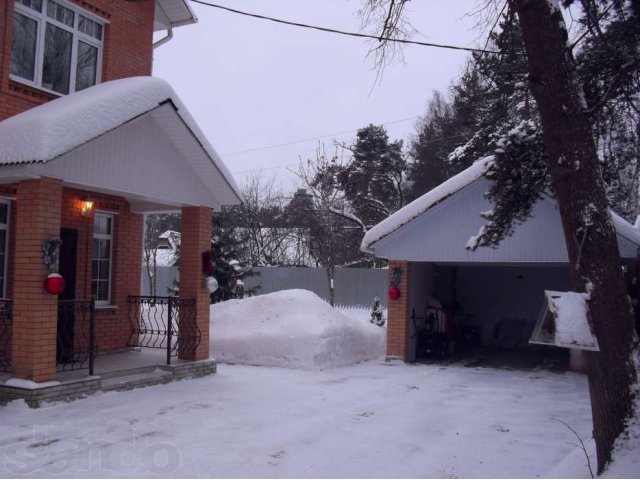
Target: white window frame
column 110, row 237
column 5, row 227
column 42, row 19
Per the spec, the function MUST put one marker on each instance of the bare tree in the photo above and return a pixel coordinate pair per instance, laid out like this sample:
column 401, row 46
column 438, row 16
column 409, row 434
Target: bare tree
column 268, row 240
column 331, row 224
column 154, row 226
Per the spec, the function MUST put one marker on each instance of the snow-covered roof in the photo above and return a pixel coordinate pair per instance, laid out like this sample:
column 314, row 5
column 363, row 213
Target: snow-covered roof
column 53, row 129
column 173, row 13
column 424, row 203
column 172, row 237
column 463, row 215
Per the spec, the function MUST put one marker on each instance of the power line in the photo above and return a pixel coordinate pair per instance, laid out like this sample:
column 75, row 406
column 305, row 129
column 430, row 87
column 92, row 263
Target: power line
column 284, row 165
column 343, row 32
column 267, row 147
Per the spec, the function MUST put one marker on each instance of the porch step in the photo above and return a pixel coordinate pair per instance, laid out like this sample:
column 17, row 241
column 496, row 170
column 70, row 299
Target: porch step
column 152, row 376
column 129, row 371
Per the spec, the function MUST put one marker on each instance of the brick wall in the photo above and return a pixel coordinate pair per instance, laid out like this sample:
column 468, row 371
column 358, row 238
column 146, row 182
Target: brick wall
column 127, row 49
column 112, row 324
column 398, row 314
column 62, row 209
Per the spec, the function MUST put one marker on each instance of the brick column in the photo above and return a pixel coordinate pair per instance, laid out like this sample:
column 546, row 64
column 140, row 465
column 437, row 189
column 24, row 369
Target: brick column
column 398, row 314
column 35, row 314
column 195, row 239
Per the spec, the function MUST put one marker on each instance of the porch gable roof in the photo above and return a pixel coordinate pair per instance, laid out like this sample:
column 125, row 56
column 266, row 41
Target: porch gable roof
column 39, row 141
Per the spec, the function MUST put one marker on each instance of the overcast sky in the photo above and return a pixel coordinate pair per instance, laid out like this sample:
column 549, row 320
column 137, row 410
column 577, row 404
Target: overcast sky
column 251, row 83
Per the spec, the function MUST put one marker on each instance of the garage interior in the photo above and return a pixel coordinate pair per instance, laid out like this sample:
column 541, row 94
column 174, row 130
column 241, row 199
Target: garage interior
column 482, row 313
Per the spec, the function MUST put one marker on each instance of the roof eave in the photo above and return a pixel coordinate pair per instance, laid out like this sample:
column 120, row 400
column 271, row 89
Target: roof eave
column 187, row 16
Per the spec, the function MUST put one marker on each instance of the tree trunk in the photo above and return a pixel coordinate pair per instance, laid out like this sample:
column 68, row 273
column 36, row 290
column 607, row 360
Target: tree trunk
column 590, row 236
column 330, row 276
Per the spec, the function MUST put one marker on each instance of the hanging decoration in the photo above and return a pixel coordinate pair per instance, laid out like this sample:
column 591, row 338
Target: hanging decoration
column 54, row 283
column 207, row 266
column 210, row 283
column 394, row 291
column 51, row 249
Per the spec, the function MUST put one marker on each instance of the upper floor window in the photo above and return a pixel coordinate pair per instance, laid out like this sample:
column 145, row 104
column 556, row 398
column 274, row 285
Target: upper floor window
column 56, row 45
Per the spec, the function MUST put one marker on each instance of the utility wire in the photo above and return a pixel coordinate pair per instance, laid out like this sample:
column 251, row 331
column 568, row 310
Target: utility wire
column 343, row 32
column 285, row 165
column 267, row 147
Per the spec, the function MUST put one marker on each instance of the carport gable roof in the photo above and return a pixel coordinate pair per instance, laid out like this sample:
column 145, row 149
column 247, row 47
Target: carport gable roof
column 421, row 204
column 36, row 141
column 437, row 226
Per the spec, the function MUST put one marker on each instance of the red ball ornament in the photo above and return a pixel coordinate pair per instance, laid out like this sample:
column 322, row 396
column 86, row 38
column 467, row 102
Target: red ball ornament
column 54, row 284
column 394, row 293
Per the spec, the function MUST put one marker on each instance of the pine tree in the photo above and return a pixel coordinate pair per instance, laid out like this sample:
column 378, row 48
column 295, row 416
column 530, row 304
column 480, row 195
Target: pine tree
column 373, row 180
column 583, row 206
column 377, row 315
column 227, row 269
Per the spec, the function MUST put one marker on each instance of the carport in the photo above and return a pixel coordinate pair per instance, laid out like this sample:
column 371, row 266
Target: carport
column 488, row 297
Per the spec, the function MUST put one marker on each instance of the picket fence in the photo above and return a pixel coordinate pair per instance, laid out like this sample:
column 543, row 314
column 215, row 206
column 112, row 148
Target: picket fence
column 353, row 286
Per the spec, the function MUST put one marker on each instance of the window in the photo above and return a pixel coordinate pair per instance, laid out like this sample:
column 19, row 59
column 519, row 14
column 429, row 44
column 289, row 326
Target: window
column 101, row 259
column 56, row 46
column 4, row 243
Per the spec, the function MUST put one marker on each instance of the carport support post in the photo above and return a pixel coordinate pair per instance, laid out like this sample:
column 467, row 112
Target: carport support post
column 195, row 239
column 35, row 312
column 399, row 313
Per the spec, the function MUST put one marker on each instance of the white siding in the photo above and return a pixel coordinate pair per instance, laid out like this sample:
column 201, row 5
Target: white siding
column 153, row 161
column 441, row 233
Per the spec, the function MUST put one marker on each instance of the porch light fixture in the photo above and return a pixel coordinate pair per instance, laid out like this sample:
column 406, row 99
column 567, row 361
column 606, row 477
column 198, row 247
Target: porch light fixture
column 86, row 206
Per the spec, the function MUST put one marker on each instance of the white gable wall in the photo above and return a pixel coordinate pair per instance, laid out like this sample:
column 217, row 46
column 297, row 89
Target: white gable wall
column 441, row 233
column 138, row 161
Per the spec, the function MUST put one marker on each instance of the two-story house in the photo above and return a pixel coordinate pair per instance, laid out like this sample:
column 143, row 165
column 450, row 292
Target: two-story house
column 89, row 143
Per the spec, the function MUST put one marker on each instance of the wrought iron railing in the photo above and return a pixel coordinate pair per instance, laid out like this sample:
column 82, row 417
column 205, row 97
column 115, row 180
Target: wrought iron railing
column 168, row 323
column 76, row 338
column 6, row 329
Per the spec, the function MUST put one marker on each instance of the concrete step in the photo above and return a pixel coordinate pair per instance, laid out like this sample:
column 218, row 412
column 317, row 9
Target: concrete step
column 136, row 380
column 128, row 372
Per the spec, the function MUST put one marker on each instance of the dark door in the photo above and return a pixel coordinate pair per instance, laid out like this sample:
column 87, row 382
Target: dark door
column 66, row 315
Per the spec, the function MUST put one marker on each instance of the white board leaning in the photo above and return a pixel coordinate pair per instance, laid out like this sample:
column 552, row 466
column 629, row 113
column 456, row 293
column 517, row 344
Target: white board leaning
column 564, row 322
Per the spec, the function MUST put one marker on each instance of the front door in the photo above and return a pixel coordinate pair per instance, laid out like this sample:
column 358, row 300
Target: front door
column 66, row 316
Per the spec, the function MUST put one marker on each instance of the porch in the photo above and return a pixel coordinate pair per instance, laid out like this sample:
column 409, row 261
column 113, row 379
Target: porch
column 74, row 208
column 123, row 370
column 160, row 334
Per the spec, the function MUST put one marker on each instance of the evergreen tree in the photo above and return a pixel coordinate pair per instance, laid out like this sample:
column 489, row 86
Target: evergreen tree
column 227, row 269
column 377, row 315
column 373, row 180
column 438, row 134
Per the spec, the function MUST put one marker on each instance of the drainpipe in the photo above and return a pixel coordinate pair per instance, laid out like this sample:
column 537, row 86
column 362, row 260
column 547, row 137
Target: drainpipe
column 165, row 39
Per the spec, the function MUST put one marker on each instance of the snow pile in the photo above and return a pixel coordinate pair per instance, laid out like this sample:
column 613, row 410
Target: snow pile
column 572, row 325
column 291, row 328
column 626, row 452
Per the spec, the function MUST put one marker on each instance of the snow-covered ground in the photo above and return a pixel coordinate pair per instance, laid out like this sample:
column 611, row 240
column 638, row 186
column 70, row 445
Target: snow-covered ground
column 368, row 420
column 294, row 329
